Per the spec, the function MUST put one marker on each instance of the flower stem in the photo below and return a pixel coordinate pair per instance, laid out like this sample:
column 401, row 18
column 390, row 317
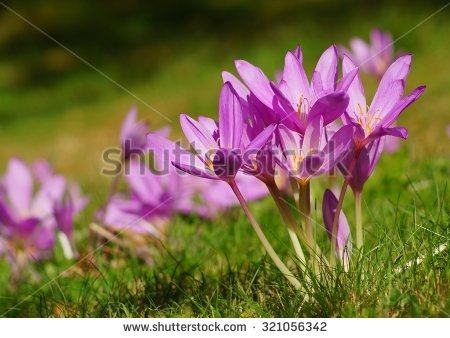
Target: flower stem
column 294, row 186
column 270, row 251
column 338, row 212
column 358, row 219
column 305, row 208
column 305, row 211
column 289, row 221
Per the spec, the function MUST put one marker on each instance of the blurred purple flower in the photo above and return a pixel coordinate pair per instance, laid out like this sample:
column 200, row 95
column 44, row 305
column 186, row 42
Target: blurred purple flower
column 373, row 58
column 391, row 144
column 28, row 222
column 147, row 207
column 343, row 235
column 133, row 134
column 215, row 197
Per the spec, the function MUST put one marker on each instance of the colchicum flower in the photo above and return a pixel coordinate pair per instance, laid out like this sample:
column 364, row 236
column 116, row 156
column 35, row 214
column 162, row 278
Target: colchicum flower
column 220, row 155
column 373, row 58
column 295, row 102
column 29, row 222
column 372, row 123
column 376, row 120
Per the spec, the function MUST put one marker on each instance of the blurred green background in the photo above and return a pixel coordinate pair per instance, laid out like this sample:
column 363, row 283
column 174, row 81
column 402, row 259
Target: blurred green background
column 170, row 54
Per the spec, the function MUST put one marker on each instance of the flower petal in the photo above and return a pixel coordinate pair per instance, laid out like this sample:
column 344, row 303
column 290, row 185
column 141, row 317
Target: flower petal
column 166, row 151
column 314, row 136
column 238, row 86
column 295, row 78
column 18, row 185
column 392, row 85
column 337, row 147
column 226, row 163
column 196, row 171
column 42, row 170
column 143, row 182
column 261, row 139
column 230, row 118
column 361, row 53
column 327, row 68
column 365, row 164
column 382, row 42
column 197, row 135
column 290, row 146
column 398, row 131
column 389, row 118
column 51, row 191
column 256, row 81
column 357, row 99
column 132, row 134
column 343, row 235
column 330, row 107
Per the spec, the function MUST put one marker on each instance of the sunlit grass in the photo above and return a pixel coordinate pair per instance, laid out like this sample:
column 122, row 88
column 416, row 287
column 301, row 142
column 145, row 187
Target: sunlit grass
column 217, row 269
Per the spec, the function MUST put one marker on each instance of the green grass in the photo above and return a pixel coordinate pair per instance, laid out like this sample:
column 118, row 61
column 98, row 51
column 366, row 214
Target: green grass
column 55, row 107
column 217, row 268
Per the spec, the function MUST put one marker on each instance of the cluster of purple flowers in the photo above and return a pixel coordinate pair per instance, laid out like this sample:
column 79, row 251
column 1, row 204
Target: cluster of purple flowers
column 295, row 128
column 307, row 129
column 37, row 207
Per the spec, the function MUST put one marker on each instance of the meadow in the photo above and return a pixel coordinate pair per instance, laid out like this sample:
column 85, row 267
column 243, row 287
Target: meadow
column 169, row 60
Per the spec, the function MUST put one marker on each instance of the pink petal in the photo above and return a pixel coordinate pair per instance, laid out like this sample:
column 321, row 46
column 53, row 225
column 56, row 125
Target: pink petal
column 197, row 135
column 327, row 68
column 230, row 118
column 18, row 184
column 256, row 81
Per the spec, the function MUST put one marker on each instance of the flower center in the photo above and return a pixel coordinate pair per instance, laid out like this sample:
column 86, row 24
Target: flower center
column 209, row 159
column 367, row 119
column 297, row 160
column 303, row 108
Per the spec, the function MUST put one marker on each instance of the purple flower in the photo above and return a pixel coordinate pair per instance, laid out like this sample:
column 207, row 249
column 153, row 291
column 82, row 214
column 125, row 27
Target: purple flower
column 150, row 201
column 28, row 222
column 373, row 58
column 133, row 134
column 193, row 194
column 295, row 101
column 376, row 120
column 391, row 144
column 311, row 155
column 220, row 153
column 260, row 162
column 343, row 235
